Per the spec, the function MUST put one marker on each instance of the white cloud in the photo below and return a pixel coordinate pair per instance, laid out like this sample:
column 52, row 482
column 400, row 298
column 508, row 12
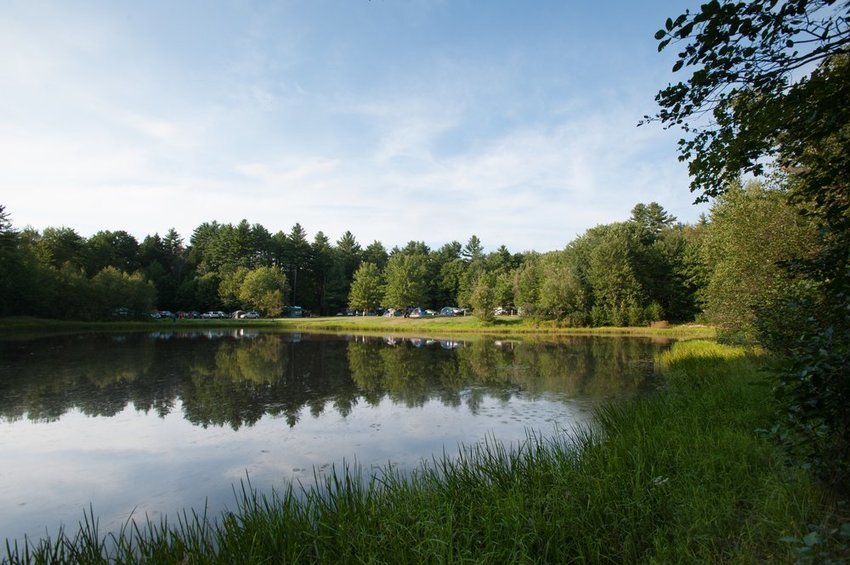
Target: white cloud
column 291, row 173
column 434, row 152
column 158, row 129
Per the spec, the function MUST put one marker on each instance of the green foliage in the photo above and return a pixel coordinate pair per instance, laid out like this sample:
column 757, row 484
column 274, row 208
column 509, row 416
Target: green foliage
column 470, row 273
column 112, row 249
column 473, row 250
column 57, row 246
column 376, row 253
column 406, row 280
column 265, row 289
column 816, row 396
column 297, row 263
column 776, row 79
column 743, row 56
column 209, row 272
column 230, row 287
column 562, row 294
column 503, row 290
column 366, row 289
column 679, row 273
column 349, row 256
column 652, row 219
column 617, row 291
column 326, row 276
column 627, row 273
column 483, row 298
column 527, row 286
column 112, row 288
column 11, row 257
column 165, row 262
column 752, row 230
column 450, row 280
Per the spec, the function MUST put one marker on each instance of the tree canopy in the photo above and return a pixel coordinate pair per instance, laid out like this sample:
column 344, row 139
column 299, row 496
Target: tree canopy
column 768, row 91
column 749, row 91
column 243, row 266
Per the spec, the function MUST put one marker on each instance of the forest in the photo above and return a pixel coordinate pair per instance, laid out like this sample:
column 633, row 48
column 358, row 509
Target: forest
column 646, row 268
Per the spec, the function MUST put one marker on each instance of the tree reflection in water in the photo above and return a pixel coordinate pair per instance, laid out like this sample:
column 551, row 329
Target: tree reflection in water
column 235, row 378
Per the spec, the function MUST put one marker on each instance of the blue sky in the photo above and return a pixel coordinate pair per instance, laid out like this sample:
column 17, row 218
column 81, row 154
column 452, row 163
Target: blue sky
column 398, row 120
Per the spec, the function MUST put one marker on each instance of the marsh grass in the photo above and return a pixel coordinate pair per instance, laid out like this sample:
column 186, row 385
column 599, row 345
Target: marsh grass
column 680, row 476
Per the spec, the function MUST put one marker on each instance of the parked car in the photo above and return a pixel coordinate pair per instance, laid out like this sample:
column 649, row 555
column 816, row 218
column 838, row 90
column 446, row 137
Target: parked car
column 250, row 315
column 213, row 314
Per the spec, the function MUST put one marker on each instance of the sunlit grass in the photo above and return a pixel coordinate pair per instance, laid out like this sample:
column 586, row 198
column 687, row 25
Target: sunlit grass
column 680, row 476
column 460, row 325
column 507, row 325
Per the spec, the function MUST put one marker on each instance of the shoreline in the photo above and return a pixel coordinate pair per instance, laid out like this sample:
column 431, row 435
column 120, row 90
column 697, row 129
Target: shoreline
column 509, row 326
column 679, row 474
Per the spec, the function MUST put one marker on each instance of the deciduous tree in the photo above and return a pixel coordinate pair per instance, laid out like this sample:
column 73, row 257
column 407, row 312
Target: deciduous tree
column 751, row 230
column 367, row 289
column 265, row 289
column 483, row 298
column 405, row 276
column 769, row 84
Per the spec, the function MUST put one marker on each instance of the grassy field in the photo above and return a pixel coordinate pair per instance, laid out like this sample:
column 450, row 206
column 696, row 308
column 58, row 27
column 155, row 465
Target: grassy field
column 505, row 326
column 681, row 476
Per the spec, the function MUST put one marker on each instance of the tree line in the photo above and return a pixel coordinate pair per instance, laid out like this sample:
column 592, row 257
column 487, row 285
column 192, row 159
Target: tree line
column 646, row 268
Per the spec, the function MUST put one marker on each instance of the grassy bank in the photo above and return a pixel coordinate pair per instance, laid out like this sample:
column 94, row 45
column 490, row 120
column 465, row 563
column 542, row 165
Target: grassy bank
column 679, row 476
column 465, row 325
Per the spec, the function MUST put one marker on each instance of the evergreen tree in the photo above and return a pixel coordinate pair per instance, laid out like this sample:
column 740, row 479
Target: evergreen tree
column 377, row 254
column 116, row 249
column 57, row 246
column 297, row 262
column 348, row 258
column 326, row 276
column 473, row 250
column 17, row 275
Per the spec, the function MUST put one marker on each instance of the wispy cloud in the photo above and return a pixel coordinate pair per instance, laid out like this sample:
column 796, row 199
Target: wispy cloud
column 277, row 120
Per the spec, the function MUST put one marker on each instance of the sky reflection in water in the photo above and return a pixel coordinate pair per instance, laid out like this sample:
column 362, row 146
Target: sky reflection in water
column 148, row 425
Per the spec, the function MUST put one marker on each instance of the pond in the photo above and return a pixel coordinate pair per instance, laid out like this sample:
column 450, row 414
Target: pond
column 136, row 426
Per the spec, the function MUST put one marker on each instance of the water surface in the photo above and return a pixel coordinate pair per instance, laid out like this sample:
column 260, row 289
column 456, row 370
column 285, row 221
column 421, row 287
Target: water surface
column 146, row 425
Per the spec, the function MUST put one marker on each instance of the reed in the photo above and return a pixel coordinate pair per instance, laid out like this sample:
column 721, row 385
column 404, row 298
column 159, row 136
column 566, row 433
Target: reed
column 680, row 475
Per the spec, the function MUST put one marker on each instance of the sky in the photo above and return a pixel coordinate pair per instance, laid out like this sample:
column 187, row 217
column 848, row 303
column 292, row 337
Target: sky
column 397, row 120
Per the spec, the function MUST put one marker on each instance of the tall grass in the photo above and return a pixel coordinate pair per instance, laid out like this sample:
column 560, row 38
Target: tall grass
column 680, row 476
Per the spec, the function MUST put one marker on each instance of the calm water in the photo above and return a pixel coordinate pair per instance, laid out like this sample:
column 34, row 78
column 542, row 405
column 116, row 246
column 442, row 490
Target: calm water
column 146, row 425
